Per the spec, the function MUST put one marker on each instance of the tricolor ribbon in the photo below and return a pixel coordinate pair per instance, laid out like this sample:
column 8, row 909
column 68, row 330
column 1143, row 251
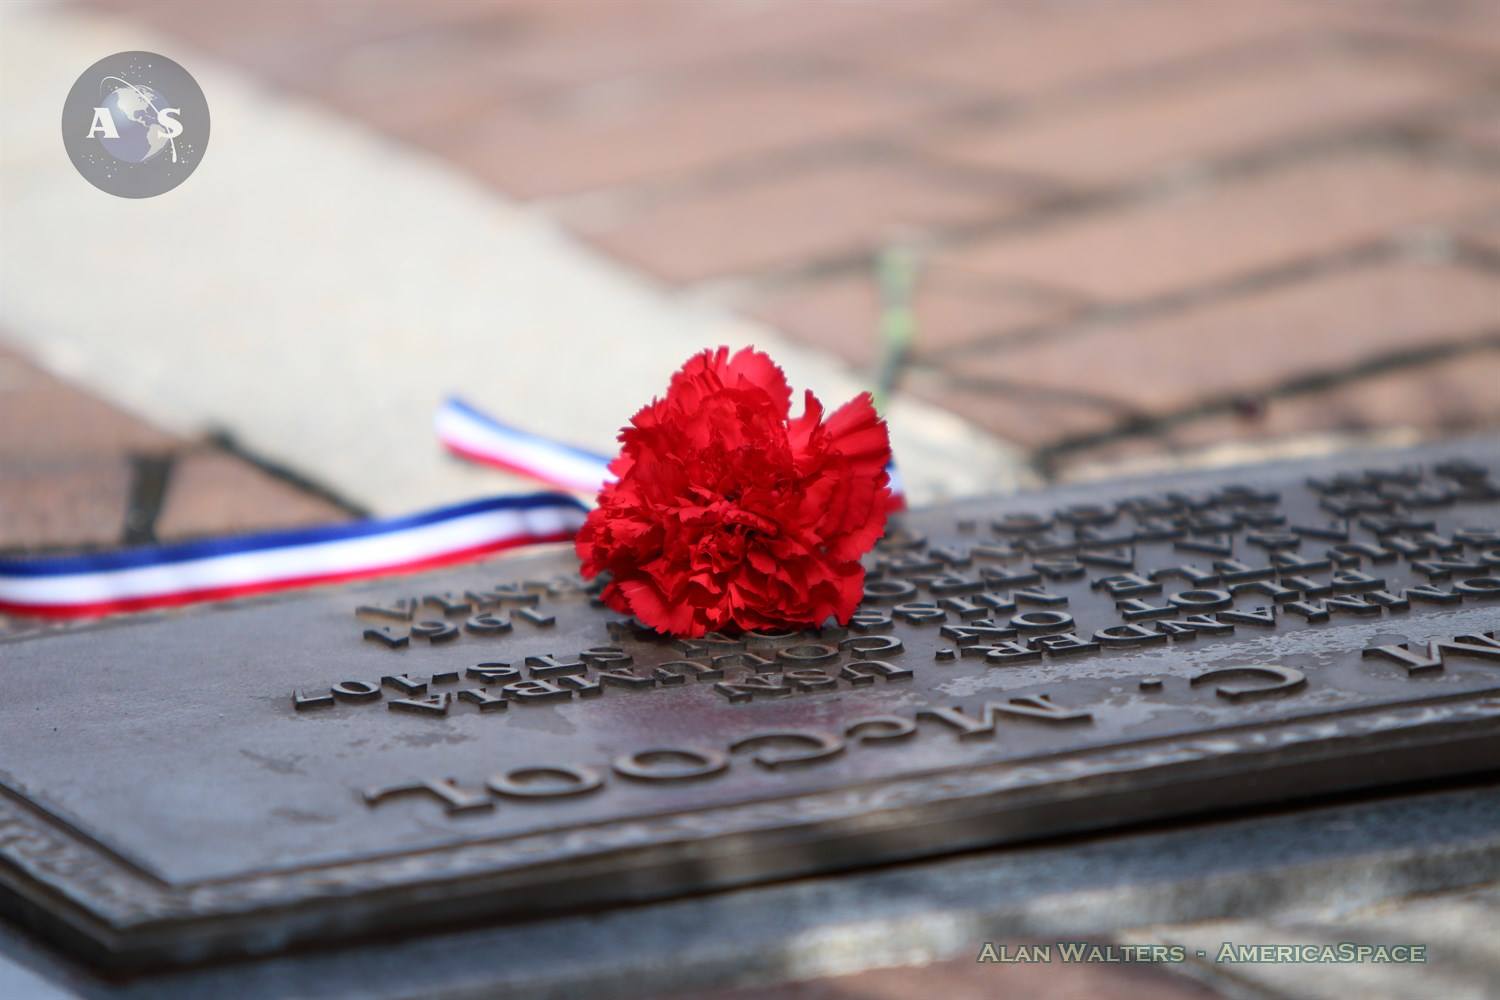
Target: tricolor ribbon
column 84, row 586
column 161, row 576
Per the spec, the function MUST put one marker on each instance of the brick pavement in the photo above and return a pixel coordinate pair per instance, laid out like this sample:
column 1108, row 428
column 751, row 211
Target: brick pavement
column 1133, row 217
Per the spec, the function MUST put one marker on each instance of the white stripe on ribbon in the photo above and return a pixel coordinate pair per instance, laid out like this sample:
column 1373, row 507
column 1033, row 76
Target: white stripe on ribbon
column 161, row 576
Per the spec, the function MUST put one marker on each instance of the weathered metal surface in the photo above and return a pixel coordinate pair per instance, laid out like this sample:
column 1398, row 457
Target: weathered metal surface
column 236, row 781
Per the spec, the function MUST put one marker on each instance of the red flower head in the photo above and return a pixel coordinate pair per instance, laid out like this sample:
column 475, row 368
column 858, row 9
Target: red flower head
column 728, row 511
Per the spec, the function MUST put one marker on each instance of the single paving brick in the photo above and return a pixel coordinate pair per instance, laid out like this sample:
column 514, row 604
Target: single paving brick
column 1248, row 344
column 1221, row 232
column 77, row 501
column 44, row 419
column 843, row 314
column 1023, row 414
column 793, row 219
column 212, row 493
column 1119, row 137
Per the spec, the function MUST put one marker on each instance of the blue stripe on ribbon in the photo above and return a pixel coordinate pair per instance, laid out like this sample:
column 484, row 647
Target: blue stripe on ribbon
column 158, row 555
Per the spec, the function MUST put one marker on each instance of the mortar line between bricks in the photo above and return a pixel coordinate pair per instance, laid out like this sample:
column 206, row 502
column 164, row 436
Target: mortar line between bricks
column 1460, row 152
column 150, row 479
column 1469, row 102
column 1091, row 317
column 1476, row 256
column 1433, row 50
column 1045, row 458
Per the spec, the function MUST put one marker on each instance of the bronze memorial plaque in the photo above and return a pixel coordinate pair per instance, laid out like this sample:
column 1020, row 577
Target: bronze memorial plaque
column 490, row 743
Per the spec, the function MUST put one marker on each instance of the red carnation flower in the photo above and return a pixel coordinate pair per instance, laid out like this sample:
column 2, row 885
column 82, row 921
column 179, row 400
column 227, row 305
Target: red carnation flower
column 728, row 511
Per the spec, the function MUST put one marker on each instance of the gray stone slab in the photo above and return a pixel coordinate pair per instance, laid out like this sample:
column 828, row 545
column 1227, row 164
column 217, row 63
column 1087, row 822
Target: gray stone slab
column 169, row 801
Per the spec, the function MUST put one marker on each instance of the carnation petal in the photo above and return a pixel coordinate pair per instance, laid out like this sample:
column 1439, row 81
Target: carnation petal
column 856, row 431
column 759, row 370
column 652, row 609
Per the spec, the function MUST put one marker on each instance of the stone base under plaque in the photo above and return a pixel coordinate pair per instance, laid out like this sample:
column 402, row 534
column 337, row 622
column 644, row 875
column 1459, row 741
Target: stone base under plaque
column 1288, row 870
